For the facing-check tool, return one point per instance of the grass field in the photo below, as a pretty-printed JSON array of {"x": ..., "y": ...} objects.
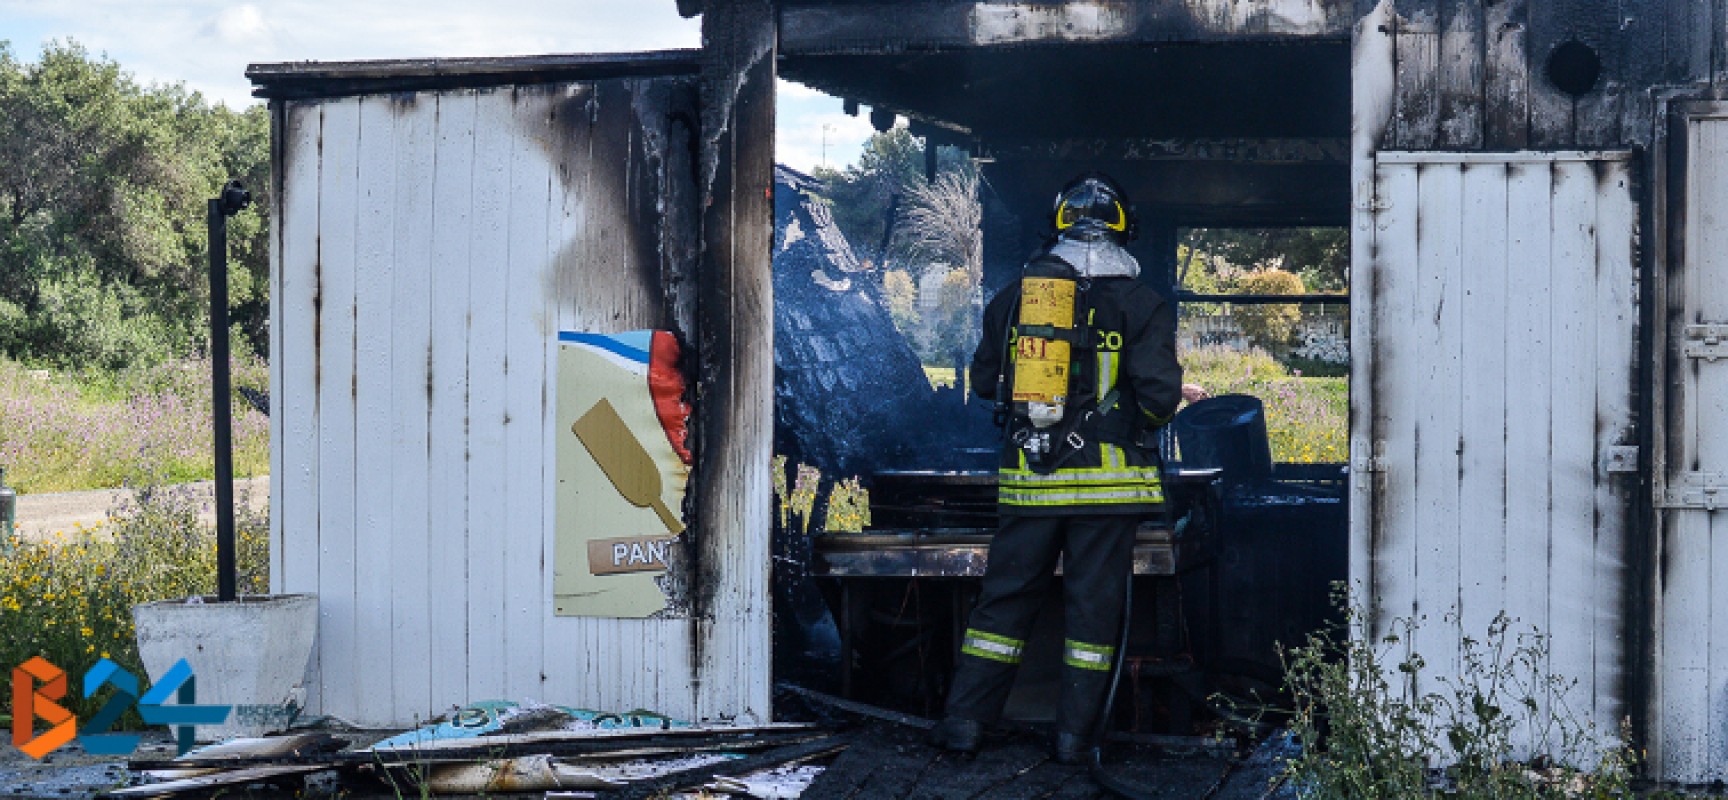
[
  {"x": 61, "y": 432},
  {"x": 1307, "y": 419}
]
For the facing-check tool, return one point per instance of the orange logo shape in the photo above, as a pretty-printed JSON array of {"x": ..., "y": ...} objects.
[{"x": 30, "y": 702}]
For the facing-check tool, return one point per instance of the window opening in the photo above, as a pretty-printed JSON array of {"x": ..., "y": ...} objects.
[{"x": 1265, "y": 312}]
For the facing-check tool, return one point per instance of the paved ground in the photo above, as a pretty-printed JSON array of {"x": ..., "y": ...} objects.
[{"x": 42, "y": 514}]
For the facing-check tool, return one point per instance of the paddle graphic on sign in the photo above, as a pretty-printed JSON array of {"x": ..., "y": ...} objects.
[{"x": 624, "y": 460}]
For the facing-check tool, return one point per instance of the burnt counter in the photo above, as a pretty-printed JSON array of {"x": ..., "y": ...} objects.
[{"x": 962, "y": 553}]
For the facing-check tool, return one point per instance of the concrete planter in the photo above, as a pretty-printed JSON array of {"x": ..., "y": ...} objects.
[{"x": 250, "y": 654}]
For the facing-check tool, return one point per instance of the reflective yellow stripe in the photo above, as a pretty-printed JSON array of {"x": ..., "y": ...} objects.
[
  {"x": 1111, "y": 455},
  {"x": 991, "y": 646},
  {"x": 1085, "y": 475},
  {"x": 1087, "y": 656},
  {"x": 1102, "y": 499}
]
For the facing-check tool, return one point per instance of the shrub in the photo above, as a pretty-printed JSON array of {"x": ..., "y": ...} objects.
[
  {"x": 68, "y": 597},
  {"x": 1273, "y": 324},
  {"x": 1368, "y": 730}
]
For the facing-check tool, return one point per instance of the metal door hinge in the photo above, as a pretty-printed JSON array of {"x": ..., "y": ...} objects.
[
  {"x": 1622, "y": 458},
  {"x": 1696, "y": 490},
  {"x": 1708, "y": 342},
  {"x": 1363, "y": 467}
]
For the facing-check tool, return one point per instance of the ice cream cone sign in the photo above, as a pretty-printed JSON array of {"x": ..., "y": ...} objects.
[{"x": 624, "y": 460}]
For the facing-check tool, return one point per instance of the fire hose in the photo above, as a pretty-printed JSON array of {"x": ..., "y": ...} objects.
[{"x": 1112, "y": 783}]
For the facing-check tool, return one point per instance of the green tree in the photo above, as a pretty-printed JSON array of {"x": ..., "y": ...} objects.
[
  {"x": 102, "y": 191},
  {"x": 1320, "y": 256},
  {"x": 870, "y": 195},
  {"x": 1269, "y": 325},
  {"x": 901, "y": 293}
]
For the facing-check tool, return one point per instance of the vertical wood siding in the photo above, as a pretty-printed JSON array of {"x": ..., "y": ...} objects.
[
  {"x": 736, "y": 428},
  {"x": 1473, "y": 74},
  {"x": 1503, "y": 311},
  {"x": 429, "y": 246},
  {"x": 1691, "y": 740}
]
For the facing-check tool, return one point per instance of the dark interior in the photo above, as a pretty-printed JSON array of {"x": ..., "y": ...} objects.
[{"x": 1200, "y": 134}]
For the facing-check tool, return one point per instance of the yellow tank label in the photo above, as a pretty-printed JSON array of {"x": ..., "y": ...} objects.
[
  {"x": 1047, "y": 301},
  {"x": 1040, "y": 370}
]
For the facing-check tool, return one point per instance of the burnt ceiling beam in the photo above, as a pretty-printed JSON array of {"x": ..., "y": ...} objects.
[
  {"x": 1325, "y": 150},
  {"x": 1255, "y": 90},
  {"x": 1189, "y": 192},
  {"x": 808, "y": 28}
]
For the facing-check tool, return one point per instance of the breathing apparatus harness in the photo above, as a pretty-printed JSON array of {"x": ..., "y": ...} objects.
[{"x": 1048, "y": 344}]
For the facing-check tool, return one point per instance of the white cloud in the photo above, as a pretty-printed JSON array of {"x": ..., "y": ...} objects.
[
  {"x": 241, "y": 24},
  {"x": 805, "y": 140},
  {"x": 207, "y": 44}
]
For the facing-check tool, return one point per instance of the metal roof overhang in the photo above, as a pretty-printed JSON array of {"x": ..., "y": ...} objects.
[{"x": 313, "y": 79}]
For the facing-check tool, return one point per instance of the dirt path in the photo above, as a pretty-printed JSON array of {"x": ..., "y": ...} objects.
[{"x": 43, "y": 514}]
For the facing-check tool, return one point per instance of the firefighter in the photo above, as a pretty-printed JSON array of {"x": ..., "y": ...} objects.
[{"x": 1080, "y": 357}]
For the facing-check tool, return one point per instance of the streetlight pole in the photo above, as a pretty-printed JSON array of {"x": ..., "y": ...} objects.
[{"x": 233, "y": 198}]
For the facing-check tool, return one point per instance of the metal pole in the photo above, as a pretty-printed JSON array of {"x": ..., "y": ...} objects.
[{"x": 221, "y": 406}]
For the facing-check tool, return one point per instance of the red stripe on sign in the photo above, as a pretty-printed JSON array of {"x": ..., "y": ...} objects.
[{"x": 666, "y": 386}]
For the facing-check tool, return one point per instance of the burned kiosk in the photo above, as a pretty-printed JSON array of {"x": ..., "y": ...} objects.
[
  {"x": 1537, "y": 316},
  {"x": 1035, "y": 111}
]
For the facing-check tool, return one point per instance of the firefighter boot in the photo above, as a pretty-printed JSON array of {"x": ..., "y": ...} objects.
[
  {"x": 957, "y": 735},
  {"x": 1072, "y": 748}
]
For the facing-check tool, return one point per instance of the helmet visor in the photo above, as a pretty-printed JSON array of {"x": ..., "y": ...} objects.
[{"x": 1091, "y": 201}]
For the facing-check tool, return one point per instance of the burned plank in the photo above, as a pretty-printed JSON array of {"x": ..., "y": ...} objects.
[
  {"x": 899, "y": 768},
  {"x": 873, "y": 750},
  {"x": 1050, "y": 780},
  {"x": 790, "y": 754},
  {"x": 1162, "y": 778},
  {"x": 855, "y": 707},
  {"x": 993, "y": 770},
  {"x": 1460, "y": 76},
  {"x": 1416, "y": 105},
  {"x": 829, "y": 28},
  {"x": 1506, "y": 76},
  {"x": 558, "y": 743},
  {"x": 1553, "y": 117},
  {"x": 575, "y": 743},
  {"x": 204, "y": 783}
]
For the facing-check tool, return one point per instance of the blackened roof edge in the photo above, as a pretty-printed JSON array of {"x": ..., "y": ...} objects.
[{"x": 321, "y": 79}]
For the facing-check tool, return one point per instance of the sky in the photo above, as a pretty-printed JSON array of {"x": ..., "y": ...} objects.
[{"x": 206, "y": 44}]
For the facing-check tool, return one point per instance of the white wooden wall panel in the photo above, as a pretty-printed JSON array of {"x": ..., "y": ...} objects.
[
  {"x": 1691, "y": 737},
  {"x": 1529, "y": 349},
  {"x": 446, "y": 435},
  {"x": 488, "y": 274},
  {"x": 527, "y": 397},
  {"x": 1503, "y": 306},
  {"x": 335, "y": 385},
  {"x": 410, "y": 406},
  {"x": 430, "y": 246},
  {"x": 1484, "y": 277},
  {"x": 374, "y": 401},
  {"x": 294, "y": 483}
]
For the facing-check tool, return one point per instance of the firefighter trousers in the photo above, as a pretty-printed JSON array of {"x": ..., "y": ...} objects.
[{"x": 1097, "y": 552}]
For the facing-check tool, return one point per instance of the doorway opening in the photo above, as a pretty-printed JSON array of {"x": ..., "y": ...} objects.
[{"x": 1236, "y": 158}]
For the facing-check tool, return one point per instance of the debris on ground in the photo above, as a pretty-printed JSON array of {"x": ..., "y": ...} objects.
[
  {"x": 499, "y": 747},
  {"x": 503, "y": 716},
  {"x": 556, "y": 753}
]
